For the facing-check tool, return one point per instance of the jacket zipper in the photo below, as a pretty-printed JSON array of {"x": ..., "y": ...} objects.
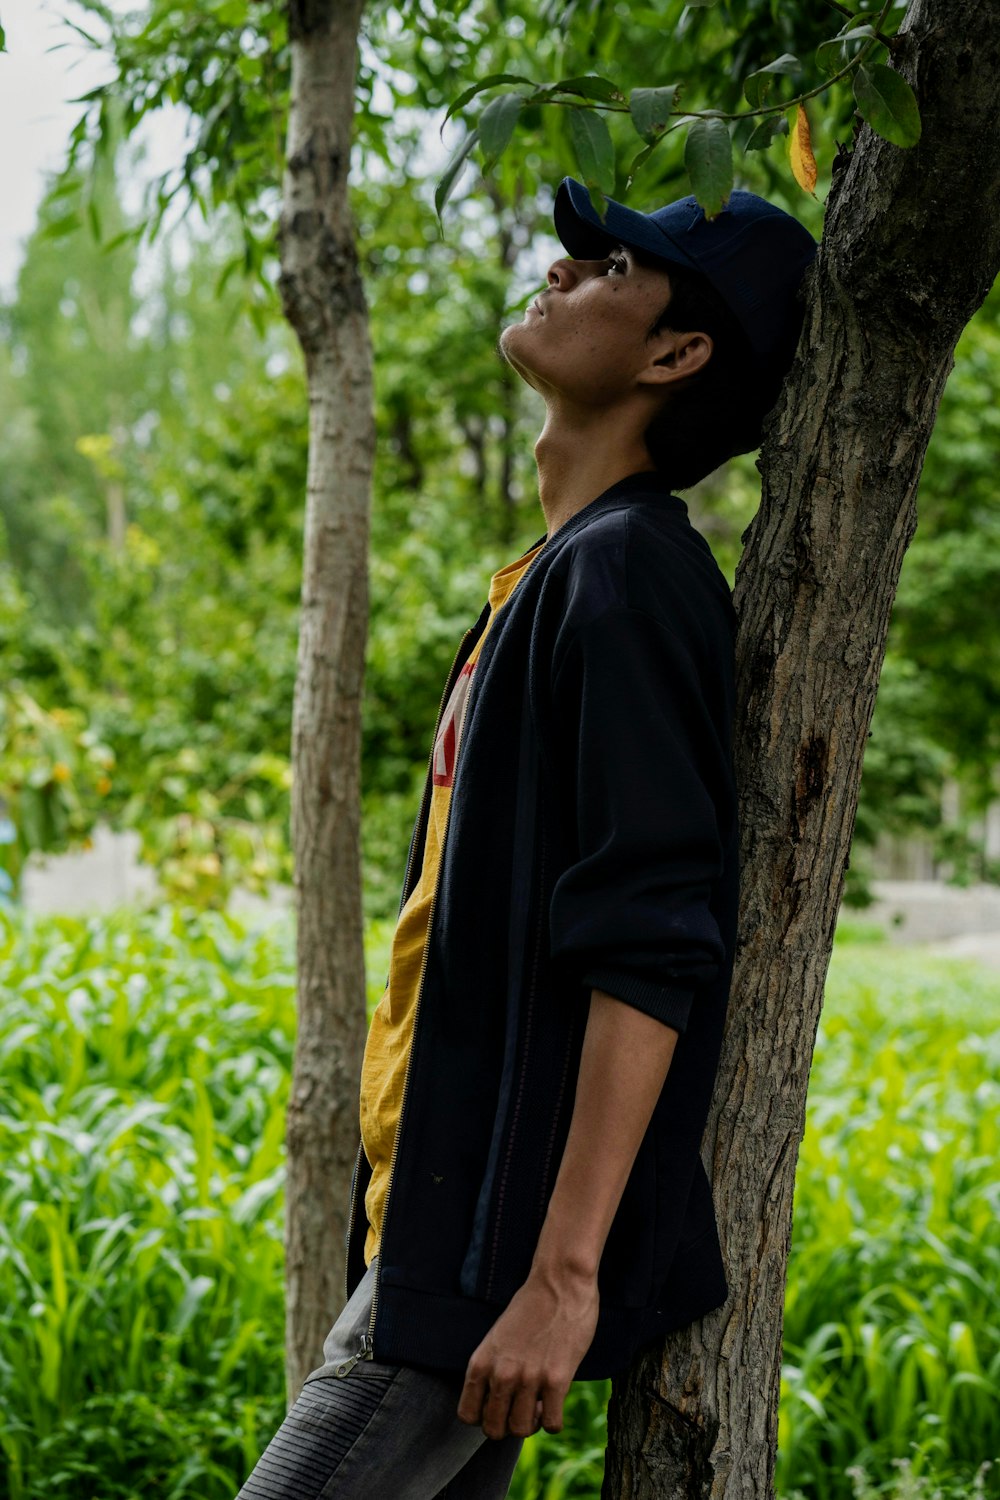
[
  {"x": 350, "y": 1217},
  {"x": 367, "y": 1338},
  {"x": 365, "y": 1350}
]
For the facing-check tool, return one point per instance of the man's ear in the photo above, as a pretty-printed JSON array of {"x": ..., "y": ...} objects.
[{"x": 676, "y": 356}]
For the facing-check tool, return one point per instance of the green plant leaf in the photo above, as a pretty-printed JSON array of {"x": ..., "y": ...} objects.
[
  {"x": 886, "y": 101},
  {"x": 477, "y": 88},
  {"x": 450, "y": 174},
  {"x": 708, "y": 157},
  {"x": 593, "y": 148},
  {"x": 651, "y": 109},
  {"x": 831, "y": 56},
  {"x": 59, "y": 227},
  {"x": 757, "y": 86},
  {"x": 763, "y": 134},
  {"x": 496, "y": 126},
  {"x": 598, "y": 202},
  {"x": 638, "y": 161},
  {"x": 590, "y": 86}
]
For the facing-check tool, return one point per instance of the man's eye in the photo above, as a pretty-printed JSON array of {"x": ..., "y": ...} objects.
[{"x": 617, "y": 263}]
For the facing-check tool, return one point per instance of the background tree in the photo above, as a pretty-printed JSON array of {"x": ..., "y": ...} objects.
[{"x": 323, "y": 298}]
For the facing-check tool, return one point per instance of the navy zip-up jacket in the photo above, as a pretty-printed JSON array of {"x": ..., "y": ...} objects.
[{"x": 591, "y": 843}]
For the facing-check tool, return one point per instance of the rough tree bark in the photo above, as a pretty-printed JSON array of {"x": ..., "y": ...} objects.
[
  {"x": 911, "y": 246},
  {"x": 322, "y": 294}
]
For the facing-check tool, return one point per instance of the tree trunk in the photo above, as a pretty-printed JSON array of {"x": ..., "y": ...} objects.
[
  {"x": 323, "y": 299},
  {"x": 911, "y": 246}
]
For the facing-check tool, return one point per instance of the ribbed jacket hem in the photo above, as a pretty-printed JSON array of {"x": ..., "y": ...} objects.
[
  {"x": 667, "y": 1003},
  {"x": 429, "y": 1330}
]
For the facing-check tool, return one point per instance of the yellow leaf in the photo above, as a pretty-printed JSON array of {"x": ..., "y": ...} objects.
[{"x": 800, "y": 151}]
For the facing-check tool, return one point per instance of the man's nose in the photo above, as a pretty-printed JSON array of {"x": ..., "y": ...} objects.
[{"x": 565, "y": 273}]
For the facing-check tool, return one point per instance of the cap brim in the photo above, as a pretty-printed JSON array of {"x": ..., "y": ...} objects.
[{"x": 582, "y": 233}]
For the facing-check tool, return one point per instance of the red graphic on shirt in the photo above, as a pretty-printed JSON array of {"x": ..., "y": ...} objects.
[{"x": 450, "y": 732}]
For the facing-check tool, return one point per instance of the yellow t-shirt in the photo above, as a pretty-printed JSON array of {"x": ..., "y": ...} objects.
[{"x": 387, "y": 1050}]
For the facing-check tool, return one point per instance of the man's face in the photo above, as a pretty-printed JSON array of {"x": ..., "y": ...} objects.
[{"x": 586, "y": 337}]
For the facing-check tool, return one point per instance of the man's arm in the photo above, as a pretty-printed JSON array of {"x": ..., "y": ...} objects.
[{"x": 523, "y": 1368}]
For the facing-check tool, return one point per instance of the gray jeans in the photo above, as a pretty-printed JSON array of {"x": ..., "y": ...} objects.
[{"x": 378, "y": 1431}]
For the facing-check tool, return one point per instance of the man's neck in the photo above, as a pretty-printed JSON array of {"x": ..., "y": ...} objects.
[{"x": 579, "y": 461}]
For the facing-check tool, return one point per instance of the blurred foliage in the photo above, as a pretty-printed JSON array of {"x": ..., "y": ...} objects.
[
  {"x": 938, "y": 709},
  {"x": 144, "y": 1071},
  {"x": 155, "y": 436}
]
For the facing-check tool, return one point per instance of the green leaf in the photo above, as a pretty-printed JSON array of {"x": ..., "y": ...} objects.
[
  {"x": 97, "y": 93},
  {"x": 762, "y": 136},
  {"x": 831, "y": 56},
  {"x": 450, "y": 174},
  {"x": 477, "y": 88},
  {"x": 591, "y": 87},
  {"x": 598, "y": 202},
  {"x": 637, "y": 161},
  {"x": 3, "y": 40},
  {"x": 593, "y": 149},
  {"x": 496, "y": 126},
  {"x": 58, "y": 228},
  {"x": 887, "y": 102},
  {"x": 708, "y": 158},
  {"x": 651, "y": 109},
  {"x": 134, "y": 234},
  {"x": 757, "y": 86},
  {"x": 699, "y": 4},
  {"x": 88, "y": 36}
]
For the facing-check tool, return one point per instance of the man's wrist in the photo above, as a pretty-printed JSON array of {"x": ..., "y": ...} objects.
[{"x": 562, "y": 1259}]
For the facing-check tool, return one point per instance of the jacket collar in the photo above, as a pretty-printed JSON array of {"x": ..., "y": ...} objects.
[{"x": 650, "y": 484}]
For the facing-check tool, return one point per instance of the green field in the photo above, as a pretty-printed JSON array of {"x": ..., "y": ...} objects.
[{"x": 144, "y": 1066}]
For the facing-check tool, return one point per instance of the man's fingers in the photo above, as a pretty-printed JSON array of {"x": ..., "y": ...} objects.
[
  {"x": 497, "y": 1411},
  {"x": 470, "y": 1405},
  {"x": 552, "y": 1407},
  {"x": 504, "y": 1409},
  {"x": 523, "y": 1412}
]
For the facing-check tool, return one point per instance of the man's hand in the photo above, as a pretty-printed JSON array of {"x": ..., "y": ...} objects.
[{"x": 518, "y": 1377}]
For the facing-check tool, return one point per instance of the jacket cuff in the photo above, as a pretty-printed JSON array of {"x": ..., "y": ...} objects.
[{"x": 670, "y": 1004}]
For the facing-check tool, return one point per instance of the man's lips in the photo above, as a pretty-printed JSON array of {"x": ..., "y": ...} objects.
[{"x": 538, "y": 307}]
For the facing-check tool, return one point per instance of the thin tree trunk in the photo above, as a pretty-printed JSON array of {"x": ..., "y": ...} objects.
[
  {"x": 321, "y": 289},
  {"x": 912, "y": 245}
]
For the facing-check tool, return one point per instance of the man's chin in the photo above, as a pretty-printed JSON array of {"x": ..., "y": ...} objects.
[{"x": 509, "y": 350}]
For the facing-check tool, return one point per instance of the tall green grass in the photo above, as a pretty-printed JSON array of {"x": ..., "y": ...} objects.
[
  {"x": 144, "y": 1065},
  {"x": 144, "y": 1073},
  {"x": 892, "y": 1312}
]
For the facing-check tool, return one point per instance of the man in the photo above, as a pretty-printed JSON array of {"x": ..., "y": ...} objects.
[{"x": 529, "y": 1204}]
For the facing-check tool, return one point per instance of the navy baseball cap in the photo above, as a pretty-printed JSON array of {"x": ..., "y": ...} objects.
[{"x": 753, "y": 253}]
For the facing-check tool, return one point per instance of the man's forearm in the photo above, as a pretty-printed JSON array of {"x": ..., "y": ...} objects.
[
  {"x": 519, "y": 1375},
  {"x": 625, "y": 1058}
]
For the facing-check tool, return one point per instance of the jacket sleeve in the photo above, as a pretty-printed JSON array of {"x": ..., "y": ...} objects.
[{"x": 642, "y": 765}]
